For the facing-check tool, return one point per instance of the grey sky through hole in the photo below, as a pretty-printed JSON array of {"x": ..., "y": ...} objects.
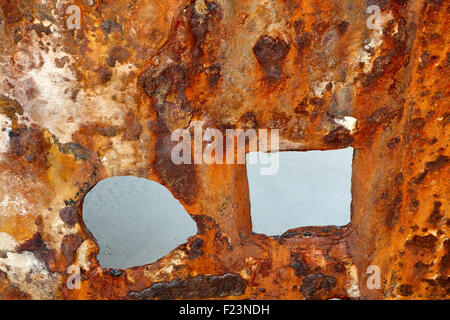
[
  {"x": 135, "y": 221},
  {"x": 310, "y": 189}
]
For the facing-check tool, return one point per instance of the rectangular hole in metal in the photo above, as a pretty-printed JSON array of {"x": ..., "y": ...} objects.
[{"x": 310, "y": 188}]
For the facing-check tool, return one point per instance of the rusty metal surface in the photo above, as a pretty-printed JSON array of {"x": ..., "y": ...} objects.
[{"x": 78, "y": 106}]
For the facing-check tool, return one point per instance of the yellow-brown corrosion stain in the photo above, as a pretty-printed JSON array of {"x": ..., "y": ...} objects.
[{"x": 141, "y": 70}]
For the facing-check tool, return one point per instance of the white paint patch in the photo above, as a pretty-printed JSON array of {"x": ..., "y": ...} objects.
[
  {"x": 175, "y": 258},
  {"x": 373, "y": 44},
  {"x": 320, "y": 88},
  {"x": 370, "y": 45},
  {"x": 347, "y": 122},
  {"x": 200, "y": 7},
  {"x": 109, "y": 103},
  {"x": 283, "y": 145},
  {"x": 45, "y": 91},
  {"x": 122, "y": 155},
  {"x": 29, "y": 273},
  {"x": 352, "y": 283},
  {"x": 7, "y": 242},
  {"x": 24, "y": 262},
  {"x": 54, "y": 105},
  {"x": 13, "y": 204},
  {"x": 46, "y": 23},
  {"x": 5, "y": 122}
]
